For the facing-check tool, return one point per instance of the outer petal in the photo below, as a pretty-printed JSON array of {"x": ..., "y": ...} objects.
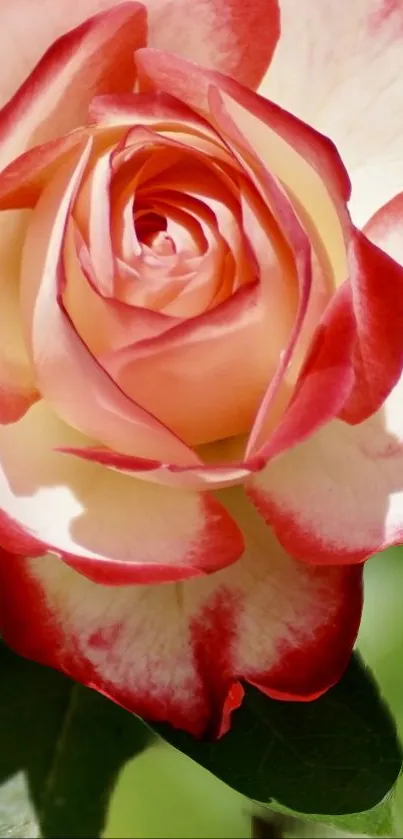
[
  {"x": 377, "y": 302},
  {"x": 342, "y": 74},
  {"x": 325, "y": 383},
  {"x": 356, "y": 356},
  {"x": 111, "y": 527},
  {"x": 385, "y": 228},
  {"x": 177, "y": 653},
  {"x": 338, "y": 497},
  {"x": 96, "y": 57},
  {"x": 217, "y": 33}
]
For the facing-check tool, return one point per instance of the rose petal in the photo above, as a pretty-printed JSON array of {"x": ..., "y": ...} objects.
[
  {"x": 95, "y": 57},
  {"x": 218, "y": 33},
  {"x": 17, "y": 381},
  {"x": 22, "y": 182},
  {"x": 68, "y": 376},
  {"x": 102, "y": 324},
  {"x": 307, "y": 166},
  {"x": 176, "y": 653},
  {"x": 385, "y": 230},
  {"x": 377, "y": 301},
  {"x": 338, "y": 497},
  {"x": 341, "y": 73},
  {"x": 356, "y": 355},
  {"x": 305, "y": 162},
  {"x": 93, "y": 213},
  {"x": 324, "y": 384},
  {"x": 111, "y": 527},
  {"x": 160, "y": 374},
  {"x": 200, "y": 477}
]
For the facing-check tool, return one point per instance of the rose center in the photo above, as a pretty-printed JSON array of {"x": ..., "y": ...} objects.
[{"x": 151, "y": 230}]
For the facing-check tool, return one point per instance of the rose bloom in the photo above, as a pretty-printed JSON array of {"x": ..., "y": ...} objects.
[{"x": 200, "y": 438}]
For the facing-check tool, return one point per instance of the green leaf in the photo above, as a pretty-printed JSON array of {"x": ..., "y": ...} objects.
[
  {"x": 379, "y": 821},
  {"x": 337, "y": 755},
  {"x": 61, "y": 747}
]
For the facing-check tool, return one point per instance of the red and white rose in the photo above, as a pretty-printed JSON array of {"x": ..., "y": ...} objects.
[{"x": 200, "y": 438}]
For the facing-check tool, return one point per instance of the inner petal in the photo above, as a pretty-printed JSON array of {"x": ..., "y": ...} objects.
[{"x": 148, "y": 224}]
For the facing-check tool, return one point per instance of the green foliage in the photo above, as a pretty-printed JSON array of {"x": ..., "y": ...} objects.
[
  {"x": 61, "y": 747},
  {"x": 337, "y": 755},
  {"x": 379, "y": 821}
]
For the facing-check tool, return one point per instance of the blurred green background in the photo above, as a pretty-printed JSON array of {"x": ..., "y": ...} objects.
[{"x": 162, "y": 793}]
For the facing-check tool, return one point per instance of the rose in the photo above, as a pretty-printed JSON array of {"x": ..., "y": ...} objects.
[{"x": 186, "y": 309}]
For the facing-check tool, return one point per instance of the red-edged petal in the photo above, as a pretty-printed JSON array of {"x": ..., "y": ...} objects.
[
  {"x": 357, "y": 354},
  {"x": 377, "y": 302},
  {"x": 341, "y": 73},
  {"x": 324, "y": 384},
  {"x": 111, "y": 527},
  {"x": 385, "y": 228},
  {"x": 22, "y": 182},
  {"x": 177, "y": 653},
  {"x": 306, "y": 161},
  {"x": 338, "y": 497},
  {"x": 217, "y": 33},
  {"x": 96, "y": 57}
]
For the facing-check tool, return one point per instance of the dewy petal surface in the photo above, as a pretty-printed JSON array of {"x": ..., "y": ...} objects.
[{"x": 177, "y": 652}]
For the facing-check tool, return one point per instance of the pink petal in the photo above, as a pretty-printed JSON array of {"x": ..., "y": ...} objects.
[
  {"x": 316, "y": 180},
  {"x": 23, "y": 180},
  {"x": 112, "y": 528},
  {"x": 323, "y": 387},
  {"x": 273, "y": 143},
  {"x": 306, "y": 162},
  {"x": 17, "y": 381},
  {"x": 217, "y": 33},
  {"x": 67, "y": 375},
  {"x": 103, "y": 324},
  {"x": 93, "y": 213},
  {"x": 177, "y": 653},
  {"x": 342, "y": 74},
  {"x": 160, "y": 374},
  {"x": 53, "y": 100}
]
